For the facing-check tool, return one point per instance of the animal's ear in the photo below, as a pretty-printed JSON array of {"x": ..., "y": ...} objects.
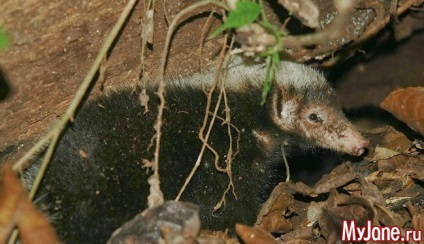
[
  {"x": 282, "y": 107},
  {"x": 277, "y": 98}
]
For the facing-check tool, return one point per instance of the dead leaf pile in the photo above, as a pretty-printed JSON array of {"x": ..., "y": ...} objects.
[{"x": 386, "y": 189}]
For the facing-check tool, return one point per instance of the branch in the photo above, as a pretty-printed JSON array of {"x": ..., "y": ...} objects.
[{"x": 344, "y": 9}]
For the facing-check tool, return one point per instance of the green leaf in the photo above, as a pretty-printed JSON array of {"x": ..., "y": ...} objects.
[
  {"x": 272, "y": 65},
  {"x": 246, "y": 12},
  {"x": 4, "y": 39}
]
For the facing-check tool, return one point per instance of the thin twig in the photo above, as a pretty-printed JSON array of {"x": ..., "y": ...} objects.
[
  {"x": 209, "y": 147},
  {"x": 238, "y": 136},
  {"x": 375, "y": 28},
  {"x": 205, "y": 138},
  {"x": 145, "y": 24},
  {"x": 202, "y": 38},
  {"x": 230, "y": 155},
  {"x": 161, "y": 86},
  {"x": 263, "y": 13},
  {"x": 35, "y": 149},
  {"x": 165, "y": 14},
  {"x": 286, "y": 164},
  {"x": 344, "y": 10},
  {"x": 199, "y": 158},
  {"x": 55, "y": 133},
  {"x": 102, "y": 74},
  {"x": 69, "y": 114},
  {"x": 44, "y": 165}
]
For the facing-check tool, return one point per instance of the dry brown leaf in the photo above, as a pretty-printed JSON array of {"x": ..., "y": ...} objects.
[
  {"x": 384, "y": 138},
  {"x": 417, "y": 218},
  {"x": 407, "y": 105},
  {"x": 342, "y": 207},
  {"x": 278, "y": 205},
  {"x": 15, "y": 208},
  {"x": 395, "y": 140},
  {"x": 383, "y": 153},
  {"x": 301, "y": 233},
  {"x": 33, "y": 226},
  {"x": 325, "y": 184},
  {"x": 403, "y": 164},
  {"x": 254, "y": 236},
  {"x": 10, "y": 195}
]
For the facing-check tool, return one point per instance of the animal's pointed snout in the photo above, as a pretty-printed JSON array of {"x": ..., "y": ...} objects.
[{"x": 361, "y": 147}]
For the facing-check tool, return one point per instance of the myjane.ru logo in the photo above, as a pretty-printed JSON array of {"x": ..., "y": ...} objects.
[{"x": 353, "y": 233}]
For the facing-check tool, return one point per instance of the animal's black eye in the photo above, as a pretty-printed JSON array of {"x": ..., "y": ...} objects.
[{"x": 313, "y": 117}]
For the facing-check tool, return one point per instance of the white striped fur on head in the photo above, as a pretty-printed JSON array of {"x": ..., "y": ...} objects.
[
  {"x": 245, "y": 74},
  {"x": 301, "y": 102}
]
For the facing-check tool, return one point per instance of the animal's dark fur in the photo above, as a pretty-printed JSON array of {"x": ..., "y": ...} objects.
[
  {"x": 96, "y": 180},
  {"x": 96, "y": 194}
]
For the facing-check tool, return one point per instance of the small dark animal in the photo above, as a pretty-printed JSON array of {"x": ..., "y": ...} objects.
[{"x": 96, "y": 180}]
